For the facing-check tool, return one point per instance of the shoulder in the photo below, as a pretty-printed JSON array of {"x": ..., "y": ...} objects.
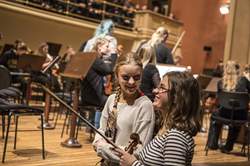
[
  {"x": 178, "y": 137},
  {"x": 151, "y": 67},
  {"x": 111, "y": 98},
  {"x": 145, "y": 107},
  {"x": 144, "y": 101}
]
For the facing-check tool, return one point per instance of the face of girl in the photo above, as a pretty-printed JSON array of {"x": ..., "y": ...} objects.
[
  {"x": 161, "y": 94},
  {"x": 104, "y": 48},
  {"x": 129, "y": 78}
]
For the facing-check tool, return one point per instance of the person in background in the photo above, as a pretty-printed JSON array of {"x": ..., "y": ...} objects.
[
  {"x": 127, "y": 111},
  {"x": 158, "y": 41},
  {"x": 51, "y": 77},
  {"x": 104, "y": 30},
  {"x": 9, "y": 58},
  {"x": 246, "y": 72},
  {"x": 232, "y": 82},
  {"x": 120, "y": 49},
  {"x": 150, "y": 76},
  {"x": 178, "y": 98},
  {"x": 218, "y": 72},
  {"x": 92, "y": 86}
]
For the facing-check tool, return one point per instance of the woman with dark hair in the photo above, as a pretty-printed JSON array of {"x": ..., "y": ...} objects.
[{"x": 178, "y": 98}]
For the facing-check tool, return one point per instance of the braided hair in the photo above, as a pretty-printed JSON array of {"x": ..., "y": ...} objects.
[{"x": 129, "y": 58}]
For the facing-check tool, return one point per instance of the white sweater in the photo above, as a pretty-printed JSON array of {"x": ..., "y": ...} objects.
[{"x": 137, "y": 118}]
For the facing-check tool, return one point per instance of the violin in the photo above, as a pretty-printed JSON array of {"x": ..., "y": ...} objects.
[
  {"x": 108, "y": 87},
  {"x": 135, "y": 140}
]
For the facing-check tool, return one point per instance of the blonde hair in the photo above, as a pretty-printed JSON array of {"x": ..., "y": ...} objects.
[
  {"x": 41, "y": 50},
  {"x": 158, "y": 36},
  {"x": 129, "y": 58},
  {"x": 147, "y": 55},
  {"x": 230, "y": 76},
  {"x": 99, "y": 42}
]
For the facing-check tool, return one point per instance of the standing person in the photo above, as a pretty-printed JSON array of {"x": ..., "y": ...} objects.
[
  {"x": 92, "y": 86},
  {"x": 150, "y": 77},
  {"x": 158, "y": 40},
  {"x": 127, "y": 111},
  {"x": 232, "y": 82},
  {"x": 104, "y": 30},
  {"x": 178, "y": 98}
]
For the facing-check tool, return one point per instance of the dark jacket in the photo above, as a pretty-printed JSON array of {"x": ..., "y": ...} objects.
[
  {"x": 243, "y": 85},
  {"x": 163, "y": 54},
  {"x": 92, "y": 87},
  {"x": 150, "y": 80},
  {"x": 9, "y": 59}
]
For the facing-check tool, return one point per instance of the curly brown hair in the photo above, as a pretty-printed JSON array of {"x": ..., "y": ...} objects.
[{"x": 182, "y": 110}]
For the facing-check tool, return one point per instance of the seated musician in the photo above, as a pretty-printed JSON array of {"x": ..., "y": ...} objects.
[
  {"x": 127, "y": 111},
  {"x": 9, "y": 60},
  {"x": 92, "y": 86},
  {"x": 50, "y": 78},
  {"x": 178, "y": 100},
  {"x": 233, "y": 82}
]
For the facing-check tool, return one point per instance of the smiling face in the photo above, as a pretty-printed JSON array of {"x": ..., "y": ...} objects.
[
  {"x": 161, "y": 94},
  {"x": 129, "y": 78}
]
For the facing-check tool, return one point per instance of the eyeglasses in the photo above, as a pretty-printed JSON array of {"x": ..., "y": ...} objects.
[
  {"x": 162, "y": 90},
  {"x": 135, "y": 78}
]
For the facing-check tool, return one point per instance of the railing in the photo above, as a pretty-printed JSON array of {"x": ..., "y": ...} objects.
[{"x": 95, "y": 10}]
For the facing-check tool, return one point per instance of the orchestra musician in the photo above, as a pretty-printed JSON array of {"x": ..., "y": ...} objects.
[
  {"x": 92, "y": 87},
  {"x": 127, "y": 111},
  {"x": 104, "y": 30},
  {"x": 150, "y": 77},
  {"x": 158, "y": 40},
  {"x": 52, "y": 76},
  {"x": 231, "y": 81},
  {"x": 9, "y": 60}
]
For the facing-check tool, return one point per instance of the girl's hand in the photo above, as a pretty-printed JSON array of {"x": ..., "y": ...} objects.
[{"x": 126, "y": 159}]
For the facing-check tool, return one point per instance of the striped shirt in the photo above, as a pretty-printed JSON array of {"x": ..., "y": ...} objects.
[{"x": 173, "y": 148}]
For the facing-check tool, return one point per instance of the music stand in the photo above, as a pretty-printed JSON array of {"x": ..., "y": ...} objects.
[
  {"x": 77, "y": 68},
  {"x": 163, "y": 69},
  {"x": 203, "y": 80},
  {"x": 54, "y": 48},
  {"x": 30, "y": 62},
  {"x": 79, "y": 65},
  {"x": 212, "y": 86}
]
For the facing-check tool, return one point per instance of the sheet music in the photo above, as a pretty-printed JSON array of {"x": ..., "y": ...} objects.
[{"x": 163, "y": 69}]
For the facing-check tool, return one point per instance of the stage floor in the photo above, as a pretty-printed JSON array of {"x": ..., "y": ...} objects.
[{"x": 28, "y": 152}]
